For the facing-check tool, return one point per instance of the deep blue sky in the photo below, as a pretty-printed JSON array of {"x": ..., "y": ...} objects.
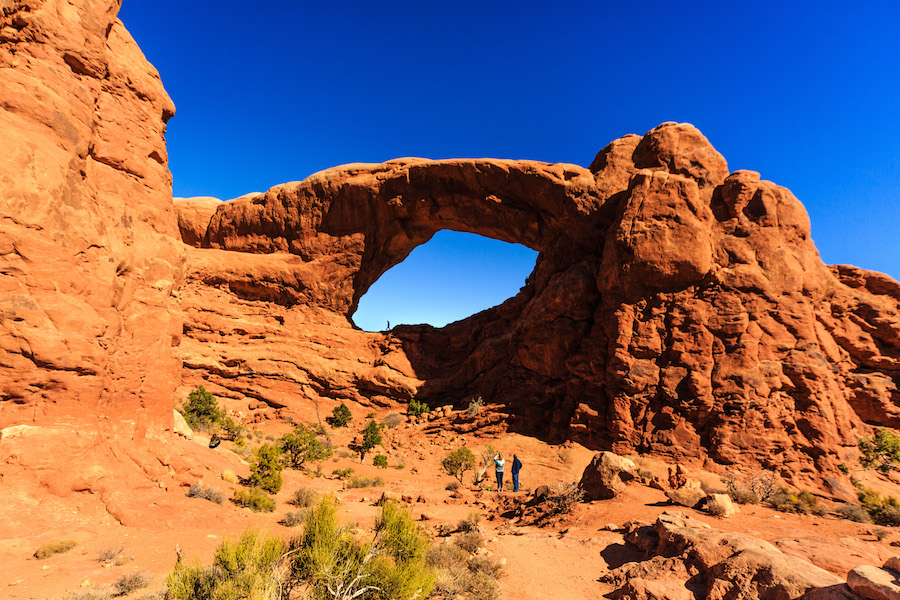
[{"x": 808, "y": 94}]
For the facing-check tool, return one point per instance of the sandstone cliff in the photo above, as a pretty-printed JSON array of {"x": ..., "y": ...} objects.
[
  {"x": 89, "y": 244},
  {"x": 675, "y": 307}
]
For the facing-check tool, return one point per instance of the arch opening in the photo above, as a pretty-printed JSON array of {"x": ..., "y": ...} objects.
[{"x": 450, "y": 277}]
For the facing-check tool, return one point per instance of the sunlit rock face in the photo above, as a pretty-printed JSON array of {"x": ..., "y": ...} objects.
[
  {"x": 675, "y": 307},
  {"x": 89, "y": 246}
]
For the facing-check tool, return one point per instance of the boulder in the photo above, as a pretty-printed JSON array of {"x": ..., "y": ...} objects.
[
  {"x": 606, "y": 476},
  {"x": 721, "y": 505},
  {"x": 689, "y": 495},
  {"x": 181, "y": 426},
  {"x": 873, "y": 583}
]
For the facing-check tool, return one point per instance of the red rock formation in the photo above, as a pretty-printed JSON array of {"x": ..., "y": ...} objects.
[
  {"x": 674, "y": 308},
  {"x": 89, "y": 247}
]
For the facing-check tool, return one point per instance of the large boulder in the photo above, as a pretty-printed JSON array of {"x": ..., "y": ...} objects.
[
  {"x": 606, "y": 476},
  {"x": 873, "y": 583}
]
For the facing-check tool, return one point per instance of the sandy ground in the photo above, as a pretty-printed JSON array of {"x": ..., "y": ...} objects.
[{"x": 563, "y": 561}]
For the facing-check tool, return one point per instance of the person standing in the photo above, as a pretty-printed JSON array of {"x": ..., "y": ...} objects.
[
  {"x": 499, "y": 462},
  {"x": 516, "y": 467}
]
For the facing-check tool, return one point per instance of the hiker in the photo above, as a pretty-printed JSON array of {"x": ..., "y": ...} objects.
[
  {"x": 499, "y": 462},
  {"x": 516, "y": 466}
]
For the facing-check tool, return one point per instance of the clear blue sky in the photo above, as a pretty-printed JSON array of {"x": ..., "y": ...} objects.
[{"x": 808, "y": 94}]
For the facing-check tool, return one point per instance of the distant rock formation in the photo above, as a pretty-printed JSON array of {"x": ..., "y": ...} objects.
[
  {"x": 675, "y": 308},
  {"x": 89, "y": 244}
]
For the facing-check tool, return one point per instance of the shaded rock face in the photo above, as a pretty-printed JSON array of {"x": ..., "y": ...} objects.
[
  {"x": 675, "y": 307},
  {"x": 89, "y": 244}
]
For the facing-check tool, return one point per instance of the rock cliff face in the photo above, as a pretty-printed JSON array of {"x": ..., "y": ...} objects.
[
  {"x": 675, "y": 307},
  {"x": 89, "y": 244}
]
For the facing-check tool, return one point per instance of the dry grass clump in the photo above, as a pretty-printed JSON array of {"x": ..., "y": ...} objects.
[
  {"x": 48, "y": 550},
  {"x": 364, "y": 482},
  {"x": 391, "y": 420},
  {"x": 255, "y": 499},
  {"x": 130, "y": 582},
  {"x": 95, "y": 594},
  {"x": 109, "y": 554},
  {"x": 852, "y": 512},
  {"x": 470, "y": 541},
  {"x": 206, "y": 493},
  {"x": 304, "y": 497},
  {"x": 294, "y": 518},
  {"x": 459, "y": 575},
  {"x": 470, "y": 523},
  {"x": 751, "y": 488},
  {"x": 229, "y": 476},
  {"x": 801, "y": 502}
]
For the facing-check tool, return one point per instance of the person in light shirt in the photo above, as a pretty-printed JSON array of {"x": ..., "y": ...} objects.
[{"x": 499, "y": 462}]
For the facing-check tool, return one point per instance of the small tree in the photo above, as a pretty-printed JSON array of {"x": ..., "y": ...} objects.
[
  {"x": 201, "y": 410},
  {"x": 881, "y": 452},
  {"x": 458, "y": 462},
  {"x": 265, "y": 470},
  {"x": 371, "y": 437},
  {"x": 303, "y": 445},
  {"x": 417, "y": 408},
  {"x": 340, "y": 416}
]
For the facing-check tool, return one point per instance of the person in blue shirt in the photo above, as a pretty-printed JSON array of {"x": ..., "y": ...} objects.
[{"x": 516, "y": 466}]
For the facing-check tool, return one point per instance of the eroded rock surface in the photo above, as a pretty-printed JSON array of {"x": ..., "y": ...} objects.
[
  {"x": 89, "y": 244},
  {"x": 674, "y": 308}
]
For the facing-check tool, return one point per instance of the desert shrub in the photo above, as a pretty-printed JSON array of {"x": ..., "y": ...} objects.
[
  {"x": 304, "y": 497},
  {"x": 265, "y": 470},
  {"x": 202, "y": 411},
  {"x": 130, "y": 582},
  {"x": 380, "y": 461},
  {"x": 232, "y": 430},
  {"x": 340, "y": 416},
  {"x": 294, "y": 518},
  {"x": 750, "y": 488},
  {"x": 229, "y": 476},
  {"x": 475, "y": 406},
  {"x": 303, "y": 445},
  {"x": 711, "y": 489},
  {"x": 416, "y": 408},
  {"x": 843, "y": 468},
  {"x": 207, "y": 493},
  {"x": 452, "y": 486},
  {"x": 881, "y": 451},
  {"x": 370, "y": 414},
  {"x": 562, "y": 498},
  {"x": 255, "y": 499},
  {"x": 883, "y": 510},
  {"x": 248, "y": 567},
  {"x": 455, "y": 576},
  {"x": 801, "y": 502},
  {"x": 853, "y": 512},
  {"x": 109, "y": 554},
  {"x": 486, "y": 565},
  {"x": 95, "y": 594},
  {"x": 458, "y": 462},
  {"x": 487, "y": 461},
  {"x": 470, "y": 541},
  {"x": 391, "y": 420},
  {"x": 342, "y": 473},
  {"x": 333, "y": 565},
  {"x": 343, "y": 453},
  {"x": 364, "y": 482},
  {"x": 481, "y": 586},
  {"x": 470, "y": 523},
  {"x": 52, "y": 548}
]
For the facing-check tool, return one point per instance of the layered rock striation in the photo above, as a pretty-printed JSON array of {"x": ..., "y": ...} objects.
[{"x": 675, "y": 307}]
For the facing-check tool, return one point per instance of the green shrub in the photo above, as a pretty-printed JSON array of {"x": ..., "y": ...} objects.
[
  {"x": 380, "y": 461},
  {"x": 364, "y": 482},
  {"x": 416, "y": 408},
  {"x": 232, "y": 430},
  {"x": 371, "y": 437},
  {"x": 202, "y": 411},
  {"x": 332, "y": 564},
  {"x": 304, "y": 497},
  {"x": 882, "y": 451},
  {"x": 303, "y": 445},
  {"x": 853, "y": 512},
  {"x": 255, "y": 499},
  {"x": 242, "y": 569},
  {"x": 458, "y": 462},
  {"x": 206, "y": 493},
  {"x": 342, "y": 473},
  {"x": 265, "y": 470},
  {"x": 130, "y": 582},
  {"x": 340, "y": 416},
  {"x": 52, "y": 548},
  {"x": 843, "y": 468}
]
